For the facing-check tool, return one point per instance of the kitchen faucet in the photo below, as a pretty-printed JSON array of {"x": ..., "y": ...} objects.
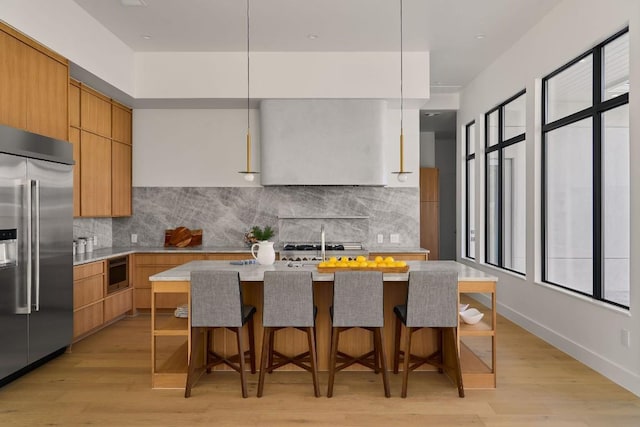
[{"x": 322, "y": 244}]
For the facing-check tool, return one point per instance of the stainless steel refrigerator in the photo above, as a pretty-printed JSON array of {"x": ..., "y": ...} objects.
[{"x": 36, "y": 260}]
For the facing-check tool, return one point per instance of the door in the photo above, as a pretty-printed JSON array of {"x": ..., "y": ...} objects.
[
  {"x": 51, "y": 319},
  {"x": 13, "y": 269}
]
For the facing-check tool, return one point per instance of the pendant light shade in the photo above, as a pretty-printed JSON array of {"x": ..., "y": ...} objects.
[
  {"x": 402, "y": 174},
  {"x": 249, "y": 175}
]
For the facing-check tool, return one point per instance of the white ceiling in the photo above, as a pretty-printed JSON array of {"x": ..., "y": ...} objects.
[{"x": 446, "y": 28}]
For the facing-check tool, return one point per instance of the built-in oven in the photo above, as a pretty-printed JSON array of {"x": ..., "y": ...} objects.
[{"x": 117, "y": 274}]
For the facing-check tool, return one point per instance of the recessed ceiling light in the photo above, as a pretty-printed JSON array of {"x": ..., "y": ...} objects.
[
  {"x": 133, "y": 3},
  {"x": 146, "y": 36},
  {"x": 312, "y": 36},
  {"x": 480, "y": 36}
]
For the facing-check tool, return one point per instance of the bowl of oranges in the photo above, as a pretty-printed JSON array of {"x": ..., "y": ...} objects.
[{"x": 386, "y": 264}]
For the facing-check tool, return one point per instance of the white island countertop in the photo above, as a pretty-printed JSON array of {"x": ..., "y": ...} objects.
[{"x": 255, "y": 272}]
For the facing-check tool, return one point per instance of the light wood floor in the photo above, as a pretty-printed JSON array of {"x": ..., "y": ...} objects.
[{"x": 105, "y": 379}]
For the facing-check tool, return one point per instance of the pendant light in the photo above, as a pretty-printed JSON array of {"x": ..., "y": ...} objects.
[
  {"x": 402, "y": 174},
  {"x": 249, "y": 175}
]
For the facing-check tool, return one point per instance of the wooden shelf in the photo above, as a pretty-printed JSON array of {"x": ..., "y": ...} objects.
[
  {"x": 482, "y": 328},
  {"x": 170, "y": 325}
]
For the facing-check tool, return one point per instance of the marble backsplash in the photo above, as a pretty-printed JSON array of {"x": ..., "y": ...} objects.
[
  {"x": 296, "y": 213},
  {"x": 101, "y": 227}
]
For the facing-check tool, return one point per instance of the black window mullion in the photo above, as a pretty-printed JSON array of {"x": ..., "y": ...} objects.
[
  {"x": 500, "y": 183},
  {"x": 469, "y": 158},
  {"x": 597, "y": 174}
]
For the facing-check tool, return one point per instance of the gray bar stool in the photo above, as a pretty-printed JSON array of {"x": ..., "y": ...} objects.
[
  {"x": 216, "y": 302},
  {"x": 432, "y": 302},
  {"x": 288, "y": 303},
  {"x": 358, "y": 303}
]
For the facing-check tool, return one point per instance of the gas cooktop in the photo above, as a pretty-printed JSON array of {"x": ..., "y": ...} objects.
[
  {"x": 311, "y": 251},
  {"x": 312, "y": 247}
]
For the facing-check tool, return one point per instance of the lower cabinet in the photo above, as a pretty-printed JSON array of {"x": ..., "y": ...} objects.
[
  {"x": 401, "y": 256},
  {"x": 148, "y": 264},
  {"x": 92, "y": 307}
]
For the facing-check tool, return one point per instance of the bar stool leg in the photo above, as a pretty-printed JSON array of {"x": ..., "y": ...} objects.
[
  {"x": 335, "y": 334},
  {"x": 454, "y": 351},
  {"x": 252, "y": 346},
  {"x": 396, "y": 346},
  {"x": 314, "y": 362},
  {"x": 272, "y": 336},
  {"x": 243, "y": 379},
  {"x": 376, "y": 353},
  {"x": 208, "y": 343},
  {"x": 263, "y": 359},
  {"x": 195, "y": 338},
  {"x": 407, "y": 359},
  {"x": 379, "y": 344}
]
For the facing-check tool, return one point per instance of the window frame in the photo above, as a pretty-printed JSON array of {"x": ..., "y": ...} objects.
[
  {"x": 488, "y": 149},
  {"x": 469, "y": 157},
  {"x": 595, "y": 112}
]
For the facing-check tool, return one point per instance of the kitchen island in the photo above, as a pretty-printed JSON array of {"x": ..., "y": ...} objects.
[{"x": 171, "y": 335}]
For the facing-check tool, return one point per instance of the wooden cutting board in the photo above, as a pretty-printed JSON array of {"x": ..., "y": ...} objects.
[{"x": 179, "y": 238}]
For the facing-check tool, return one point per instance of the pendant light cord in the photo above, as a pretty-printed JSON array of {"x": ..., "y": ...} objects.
[
  {"x": 248, "y": 124},
  {"x": 401, "y": 74}
]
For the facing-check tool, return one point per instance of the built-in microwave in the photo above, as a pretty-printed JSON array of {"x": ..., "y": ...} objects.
[{"x": 117, "y": 274}]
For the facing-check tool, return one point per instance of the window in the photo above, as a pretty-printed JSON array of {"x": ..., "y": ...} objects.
[
  {"x": 505, "y": 195},
  {"x": 586, "y": 178},
  {"x": 470, "y": 218}
]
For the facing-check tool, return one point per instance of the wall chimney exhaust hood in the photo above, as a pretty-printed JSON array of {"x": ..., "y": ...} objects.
[{"x": 323, "y": 142}]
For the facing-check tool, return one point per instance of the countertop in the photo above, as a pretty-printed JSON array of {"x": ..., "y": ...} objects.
[
  {"x": 106, "y": 253},
  {"x": 255, "y": 272}
]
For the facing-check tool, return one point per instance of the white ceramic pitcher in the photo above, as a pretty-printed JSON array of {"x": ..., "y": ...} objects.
[{"x": 266, "y": 254}]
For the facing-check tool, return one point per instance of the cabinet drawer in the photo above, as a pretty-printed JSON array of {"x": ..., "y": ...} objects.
[
  {"x": 87, "y": 291},
  {"x": 87, "y": 318},
  {"x": 87, "y": 270},
  {"x": 117, "y": 304},
  {"x": 167, "y": 259}
]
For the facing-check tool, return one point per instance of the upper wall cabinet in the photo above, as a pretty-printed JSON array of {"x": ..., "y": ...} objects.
[
  {"x": 100, "y": 130},
  {"x": 33, "y": 84},
  {"x": 95, "y": 112}
]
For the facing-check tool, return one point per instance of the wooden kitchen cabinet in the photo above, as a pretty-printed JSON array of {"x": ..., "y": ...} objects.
[
  {"x": 120, "y": 179},
  {"x": 121, "y": 120},
  {"x": 102, "y": 176},
  {"x": 95, "y": 175},
  {"x": 148, "y": 264},
  {"x": 74, "y": 139},
  {"x": 93, "y": 308},
  {"x": 33, "y": 83},
  {"x": 430, "y": 212},
  {"x": 88, "y": 290},
  {"x": 13, "y": 86},
  {"x": 95, "y": 112},
  {"x": 74, "y": 103},
  {"x": 401, "y": 256}
]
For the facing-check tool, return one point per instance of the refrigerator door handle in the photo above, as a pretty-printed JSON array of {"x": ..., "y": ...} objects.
[
  {"x": 36, "y": 255},
  {"x": 28, "y": 186}
]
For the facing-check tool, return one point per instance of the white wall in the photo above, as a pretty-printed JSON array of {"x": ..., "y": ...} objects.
[
  {"x": 67, "y": 29},
  {"x": 206, "y": 147},
  {"x": 282, "y": 75},
  {"x": 588, "y": 330}
]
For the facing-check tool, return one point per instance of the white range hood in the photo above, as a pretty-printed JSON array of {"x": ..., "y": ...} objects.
[{"x": 322, "y": 142}]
